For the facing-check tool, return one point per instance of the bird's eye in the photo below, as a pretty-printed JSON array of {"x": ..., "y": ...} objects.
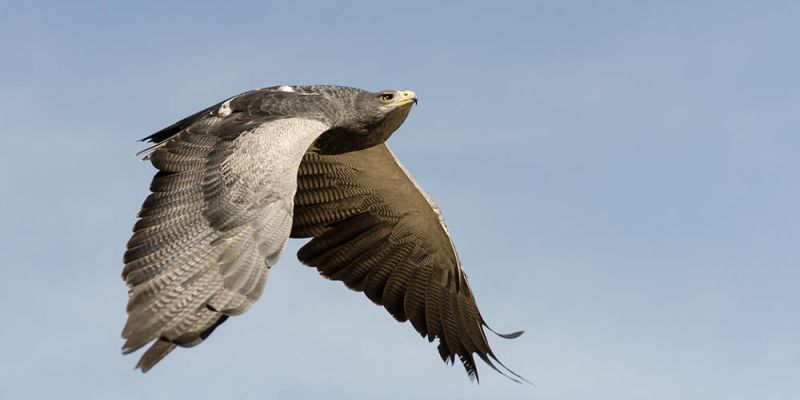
[{"x": 387, "y": 96}]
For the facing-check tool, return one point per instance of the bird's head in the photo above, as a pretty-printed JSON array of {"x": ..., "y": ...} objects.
[{"x": 368, "y": 119}]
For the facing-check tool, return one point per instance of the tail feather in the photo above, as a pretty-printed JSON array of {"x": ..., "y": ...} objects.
[{"x": 154, "y": 354}]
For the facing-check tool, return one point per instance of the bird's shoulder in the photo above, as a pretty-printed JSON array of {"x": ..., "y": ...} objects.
[{"x": 236, "y": 114}]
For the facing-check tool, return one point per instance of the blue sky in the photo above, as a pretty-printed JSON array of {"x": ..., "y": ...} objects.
[{"x": 621, "y": 179}]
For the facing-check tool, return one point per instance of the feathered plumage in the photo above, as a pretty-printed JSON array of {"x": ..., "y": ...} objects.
[{"x": 236, "y": 179}]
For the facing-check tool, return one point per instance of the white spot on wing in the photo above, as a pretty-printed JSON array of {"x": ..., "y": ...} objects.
[
  {"x": 285, "y": 88},
  {"x": 225, "y": 109}
]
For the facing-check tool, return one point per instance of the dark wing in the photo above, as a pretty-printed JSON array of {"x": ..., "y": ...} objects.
[
  {"x": 376, "y": 230},
  {"x": 218, "y": 217}
]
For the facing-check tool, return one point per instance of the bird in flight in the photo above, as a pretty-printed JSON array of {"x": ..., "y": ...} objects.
[{"x": 236, "y": 180}]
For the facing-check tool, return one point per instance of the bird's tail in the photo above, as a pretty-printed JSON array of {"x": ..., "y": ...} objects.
[{"x": 154, "y": 354}]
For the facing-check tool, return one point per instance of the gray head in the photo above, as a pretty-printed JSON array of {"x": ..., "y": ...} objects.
[{"x": 369, "y": 119}]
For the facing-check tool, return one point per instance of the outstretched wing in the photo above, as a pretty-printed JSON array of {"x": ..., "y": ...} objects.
[
  {"x": 378, "y": 232},
  {"x": 218, "y": 217}
]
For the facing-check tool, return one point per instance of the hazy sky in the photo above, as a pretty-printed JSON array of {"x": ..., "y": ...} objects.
[{"x": 621, "y": 180}]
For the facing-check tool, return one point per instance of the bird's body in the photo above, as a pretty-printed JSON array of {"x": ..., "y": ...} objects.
[{"x": 237, "y": 179}]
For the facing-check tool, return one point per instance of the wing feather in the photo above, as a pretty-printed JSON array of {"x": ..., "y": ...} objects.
[
  {"x": 218, "y": 217},
  {"x": 374, "y": 229}
]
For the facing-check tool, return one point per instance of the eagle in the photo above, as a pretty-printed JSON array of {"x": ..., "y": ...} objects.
[{"x": 236, "y": 180}]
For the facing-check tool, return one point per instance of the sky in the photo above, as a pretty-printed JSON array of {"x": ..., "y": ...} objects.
[{"x": 620, "y": 178}]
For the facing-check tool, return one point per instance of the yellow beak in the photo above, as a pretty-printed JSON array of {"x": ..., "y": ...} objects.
[{"x": 406, "y": 97}]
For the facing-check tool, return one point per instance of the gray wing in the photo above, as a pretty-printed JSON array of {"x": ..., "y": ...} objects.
[
  {"x": 218, "y": 218},
  {"x": 378, "y": 232}
]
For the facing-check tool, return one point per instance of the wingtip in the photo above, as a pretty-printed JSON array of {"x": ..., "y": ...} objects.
[
  {"x": 512, "y": 335},
  {"x": 498, "y": 370},
  {"x": 145, "y": 153},
  {"x": 516, "y": 377}
]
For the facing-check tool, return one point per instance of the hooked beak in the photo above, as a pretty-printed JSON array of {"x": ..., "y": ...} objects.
[{"x": 406, "y": 97}]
